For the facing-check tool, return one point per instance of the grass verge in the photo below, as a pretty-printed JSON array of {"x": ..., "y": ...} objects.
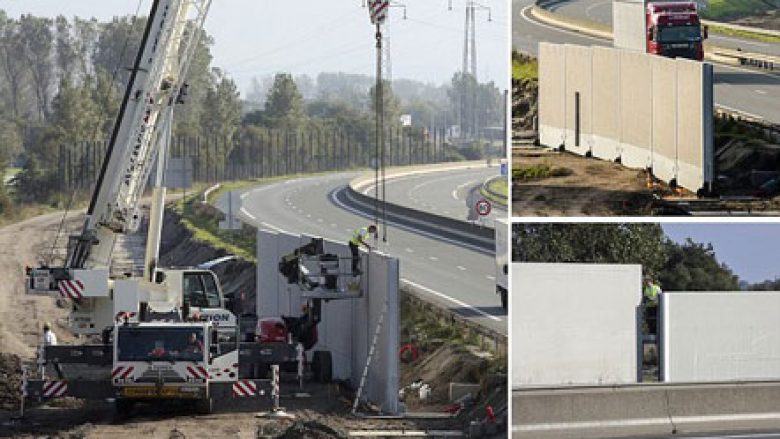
[
  {"x": 536, "y": 172},
  {"x": 524, "y": 67},
  {"x": 496, "y": 186}
]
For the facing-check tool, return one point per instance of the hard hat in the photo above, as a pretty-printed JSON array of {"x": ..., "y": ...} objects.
[{"x": 46, "y": 325}]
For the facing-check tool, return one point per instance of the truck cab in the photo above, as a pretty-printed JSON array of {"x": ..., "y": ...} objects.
[
  {"x": 674, "y": 30},
  {"x": 170, "y": 360}
]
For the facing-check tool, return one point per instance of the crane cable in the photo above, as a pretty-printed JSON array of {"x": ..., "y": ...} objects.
[{"x": 114, "y": 75}]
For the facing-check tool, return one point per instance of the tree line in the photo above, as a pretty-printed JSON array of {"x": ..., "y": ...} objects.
[
  {"x": 62, "y": 80},
  {"x": 687, "y": 266}
]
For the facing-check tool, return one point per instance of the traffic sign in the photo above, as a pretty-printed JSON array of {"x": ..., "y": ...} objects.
[
  {"x": 377, "y": 10},
  {"x": 483, "y": 207}
]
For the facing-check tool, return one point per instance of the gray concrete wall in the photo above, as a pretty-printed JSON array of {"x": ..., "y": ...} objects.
[
  {"x": 720, "y": 336},
  {"x": 606, "y": 123},
  {"x": 571, "y": 326},
  {"x": 347, "y": 326},
  {"x": 647, "y": 110},
  {"x": 552, "y": 94},
  {"x": 628, "y": 25}
]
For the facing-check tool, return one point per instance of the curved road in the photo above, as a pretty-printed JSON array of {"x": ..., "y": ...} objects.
[
  {"x": 600, "y": 11},
  {"x": 457, "y": 277},
  {"x": 736, "y": 88},
  {"x": 452, "y": 194}
]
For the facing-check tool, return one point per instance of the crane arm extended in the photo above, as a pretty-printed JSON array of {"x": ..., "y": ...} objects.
[{"x": 156, "y": 81}]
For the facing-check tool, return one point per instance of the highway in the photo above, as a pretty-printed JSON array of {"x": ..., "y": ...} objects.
[
  {"x": 736, "y": 88},
  {"x": 452, "y": 275},
  {"x": 600, "y": 11},
  {"x": 449, "y": 194}
]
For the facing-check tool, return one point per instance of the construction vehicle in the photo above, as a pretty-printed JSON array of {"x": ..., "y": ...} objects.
[
  {"x": 667, "y": 28},
  {"x": 501, "y": 228},
  {"x": 168, "y": 333}
]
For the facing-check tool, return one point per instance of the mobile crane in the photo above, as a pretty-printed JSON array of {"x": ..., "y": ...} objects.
[{"x": 168, "y": 333}]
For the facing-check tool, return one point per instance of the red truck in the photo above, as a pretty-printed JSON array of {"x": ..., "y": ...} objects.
[{"x": 667, "y": 28}]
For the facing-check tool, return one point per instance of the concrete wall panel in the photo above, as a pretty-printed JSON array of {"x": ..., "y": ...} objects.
[
  {"x": 552, "y": 94},
  {"x": 648, "y": 110},
  {"x": 606, "y": 103},
  {"x": 720, "y": 336},
  {"x": 636, "y": 98},
  {"x": 664, "y": 133},
  {"x": 579, "y": 92},
  {"x": 570, "y": 326},
  {"x": 347, "y": 326}
]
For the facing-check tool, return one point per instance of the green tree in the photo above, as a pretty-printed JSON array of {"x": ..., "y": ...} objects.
[
  {"x": 284, "y": 105},
  {"x": 222, "y": 107},
  {"x": 391, "y": 105},
  {"x": 591, "y": 243},
  {"x": 37, "y": 39},
  {"x": 15, "y": 73},
  {"x": 693, "y": 267}
]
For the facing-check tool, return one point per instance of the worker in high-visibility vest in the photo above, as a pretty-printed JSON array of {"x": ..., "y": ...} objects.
[
  {"x": 650, "y": 293},
  {"x": 360, "y": 237}
]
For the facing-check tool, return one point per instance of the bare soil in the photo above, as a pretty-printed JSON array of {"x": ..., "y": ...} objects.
[
  {"x": 594, "y": 187},
  {"x": 325, "y": 414}
]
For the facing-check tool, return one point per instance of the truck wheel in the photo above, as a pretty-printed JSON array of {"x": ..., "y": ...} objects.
[
  {"x": 123, "y": 407},
  {"x": 205, "y": 406},
  {"x": 322, "y": 366}
]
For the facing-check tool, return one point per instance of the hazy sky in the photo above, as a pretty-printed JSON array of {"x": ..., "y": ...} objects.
[
  {"x": 751, "y": 250},
  {"x": 259, "y": 37}
]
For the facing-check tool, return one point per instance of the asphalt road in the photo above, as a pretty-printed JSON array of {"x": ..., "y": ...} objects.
[
  {"x": 460, "y": 278},
  {"x": 600, "y": 11},
  {"x": 736, "y": 88},
  {"x": 452, "y": 194}
]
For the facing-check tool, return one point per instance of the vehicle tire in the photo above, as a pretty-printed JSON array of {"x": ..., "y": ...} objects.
[
  {"x": 123, "y": 407},
  {"x": 322, "y": 366},
  {"x": 205, "y": 406}
]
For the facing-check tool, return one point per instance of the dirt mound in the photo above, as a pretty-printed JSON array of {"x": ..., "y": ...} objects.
[
  {"x": 309, "y": 430},
  {"x": 10, "y": 379},
  {"x": 446, "y": 364}
]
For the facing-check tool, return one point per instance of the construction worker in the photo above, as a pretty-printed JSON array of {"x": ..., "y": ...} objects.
[
  {"x": 49, "y": 338},
  {"x": 360, "y": 237},
  {"x": 650, "y": 293},
  {"x": 194, "y": 345}
]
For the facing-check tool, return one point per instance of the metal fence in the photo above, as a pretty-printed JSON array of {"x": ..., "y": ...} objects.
[{"x": 268, "y": 153}]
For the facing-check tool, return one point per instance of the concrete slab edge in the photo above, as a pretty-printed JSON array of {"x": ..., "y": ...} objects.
[{"x": 662, "y": 409}]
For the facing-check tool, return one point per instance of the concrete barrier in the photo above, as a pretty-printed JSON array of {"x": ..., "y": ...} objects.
[
  {"x": 648, "y": 111},
  {"x": 653, "y": 409},
  {"x": 470, "y": 234}
]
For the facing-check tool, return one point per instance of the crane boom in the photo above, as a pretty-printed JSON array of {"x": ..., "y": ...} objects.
[
  {"x": 157, "y": 78},
  {"x": 140, "y": 136}
]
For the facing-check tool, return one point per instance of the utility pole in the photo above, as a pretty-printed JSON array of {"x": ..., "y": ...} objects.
[{"x": 470, "y": 64}]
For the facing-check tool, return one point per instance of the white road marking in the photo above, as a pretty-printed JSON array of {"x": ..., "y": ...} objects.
[
  {"x": 453, "y": 300},
  {"x": 246, "y": 212},
  {"x": 461, "y": 268},
  {"x": 433, "y": 258},
  {"x": 761, "y": 92},
  {"x": 490, "y": 277}
]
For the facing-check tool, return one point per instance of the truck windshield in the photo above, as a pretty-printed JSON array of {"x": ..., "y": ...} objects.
[
  {"x": 160, "y": 344},
  {"x": 679, "y": 34}
]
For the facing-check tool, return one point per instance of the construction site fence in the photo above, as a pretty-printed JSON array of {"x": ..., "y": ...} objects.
[{"x": 269, "y": 153}]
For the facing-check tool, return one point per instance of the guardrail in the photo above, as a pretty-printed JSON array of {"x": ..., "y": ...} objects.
[
  {"x": 769, "y": 129},
  {"x": 739, "y": 57}
]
